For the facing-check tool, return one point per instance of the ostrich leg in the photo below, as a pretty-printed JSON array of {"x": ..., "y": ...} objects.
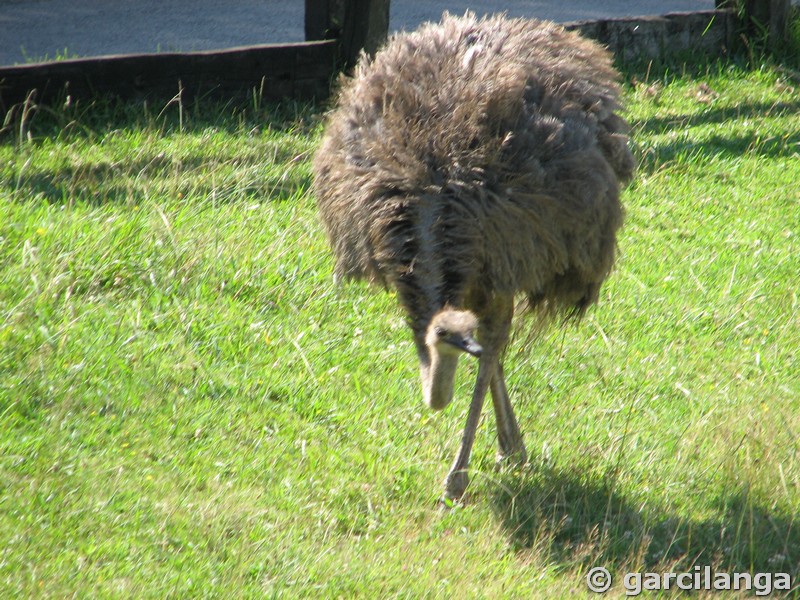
[
  {"x": 457, "y": 479},
  {"x": 512, "y": 447},
  {"x": 495, "y": 324}
]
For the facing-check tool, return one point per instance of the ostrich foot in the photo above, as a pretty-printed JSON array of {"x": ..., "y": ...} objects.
[
  {"x": 454, "y": 485},
  {"x": 514, "y": 456}
]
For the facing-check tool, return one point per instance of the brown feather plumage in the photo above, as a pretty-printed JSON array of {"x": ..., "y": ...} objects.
[{"x": 499, "y": 138}]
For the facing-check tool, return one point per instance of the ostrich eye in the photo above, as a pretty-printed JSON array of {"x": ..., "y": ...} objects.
[{"x": 440, "y": 331}]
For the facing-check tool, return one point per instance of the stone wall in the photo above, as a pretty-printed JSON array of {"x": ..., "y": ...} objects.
[{"x": 708, "y": 33}]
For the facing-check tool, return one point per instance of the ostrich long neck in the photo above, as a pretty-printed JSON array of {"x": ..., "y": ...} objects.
[{"x": 438, "y": 373}]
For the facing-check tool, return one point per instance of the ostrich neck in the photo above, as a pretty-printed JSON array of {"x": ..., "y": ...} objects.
[{"x": 438, "y": 375}]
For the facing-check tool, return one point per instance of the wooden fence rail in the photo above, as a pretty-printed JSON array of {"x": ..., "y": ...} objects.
[{"x": 296, "y": 70}]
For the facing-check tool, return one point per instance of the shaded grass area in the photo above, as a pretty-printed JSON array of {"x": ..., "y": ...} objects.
[{"x": 189, "y": 405}]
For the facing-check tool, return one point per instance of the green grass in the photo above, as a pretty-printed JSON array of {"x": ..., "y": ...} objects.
[
  {"x": 59, "y": 55},
  {"x": 189, "y": 407}
]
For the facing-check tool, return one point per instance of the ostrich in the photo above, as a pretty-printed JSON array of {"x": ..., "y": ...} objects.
[{"x": 469, "y": 165}]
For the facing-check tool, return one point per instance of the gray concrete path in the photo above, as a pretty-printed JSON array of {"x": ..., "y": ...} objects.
[{"x": 32, "y": 30}]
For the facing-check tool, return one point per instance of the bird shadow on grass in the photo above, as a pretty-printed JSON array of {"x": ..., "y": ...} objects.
[{"x": 581, "y": 521}]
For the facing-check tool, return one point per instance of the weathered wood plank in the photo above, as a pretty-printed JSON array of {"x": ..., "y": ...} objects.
[
  {"x": 366, "y": 25},
  {"x": 323, "y": 19},
  {"x": 770, "y": 16},
  {"x": 278, "y": 70},
  {"x": 762, "y": 19},
  {"x": 315, "y": 20}
]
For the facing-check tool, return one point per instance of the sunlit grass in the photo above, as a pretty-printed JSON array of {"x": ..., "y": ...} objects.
[{"x": 190, "y": 406}]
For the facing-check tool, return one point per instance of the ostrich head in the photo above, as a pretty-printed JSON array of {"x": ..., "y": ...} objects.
[
  {"x": 449, "y": 334},
  {"x": 452, "y": 332}
]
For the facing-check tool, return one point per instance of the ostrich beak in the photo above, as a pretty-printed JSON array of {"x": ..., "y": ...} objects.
[{"x": 468, "y": 345}]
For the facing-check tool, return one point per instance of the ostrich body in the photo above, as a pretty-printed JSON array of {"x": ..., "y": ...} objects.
[{"x": 470, "y": 163}]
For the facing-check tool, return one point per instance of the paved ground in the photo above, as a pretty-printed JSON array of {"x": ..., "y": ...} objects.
[{"x": 32, "y": 30}]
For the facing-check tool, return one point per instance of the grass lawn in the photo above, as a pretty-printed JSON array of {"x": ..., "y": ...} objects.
[{"x": 189, "y": 407}]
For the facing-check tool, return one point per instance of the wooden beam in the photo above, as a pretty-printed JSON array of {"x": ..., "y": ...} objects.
[
  {"x": 323, "y": 19},
  {"x": 277, "y": 70},
  {"x": 766, "y": 20},
  {"x": 780, "y": 12},
  {"x": 365, "y": 26}
]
